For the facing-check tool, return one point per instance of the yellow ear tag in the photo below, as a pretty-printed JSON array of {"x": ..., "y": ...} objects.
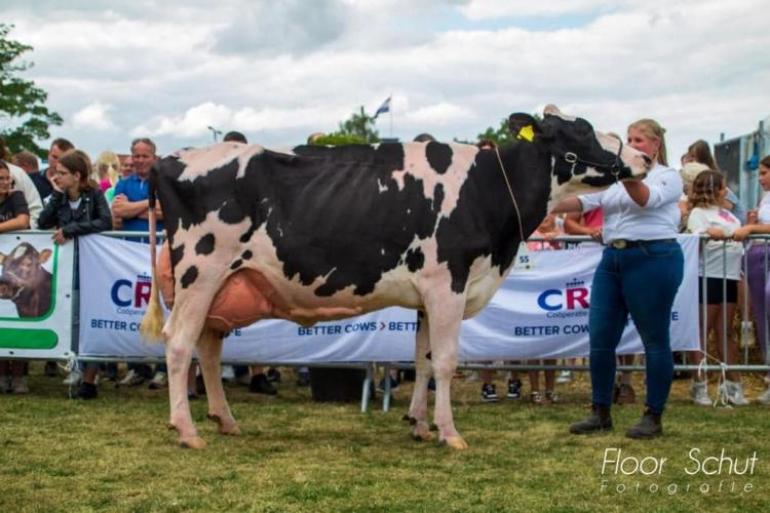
[{"x": 527, "y": 133}]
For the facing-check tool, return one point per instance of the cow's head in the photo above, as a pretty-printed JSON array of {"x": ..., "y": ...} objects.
[
  {"x": 22, "y": 269},
  {"x": 582, "y": 158}
]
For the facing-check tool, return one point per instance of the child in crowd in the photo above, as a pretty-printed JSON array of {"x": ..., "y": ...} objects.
[{"x": 721, "y": 263}]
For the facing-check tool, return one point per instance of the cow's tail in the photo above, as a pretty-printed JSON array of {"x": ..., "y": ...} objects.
[{"x": 151, "y": 328}]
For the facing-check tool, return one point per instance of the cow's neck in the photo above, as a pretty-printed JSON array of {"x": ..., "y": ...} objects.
[{"x": 529, "y": 174}]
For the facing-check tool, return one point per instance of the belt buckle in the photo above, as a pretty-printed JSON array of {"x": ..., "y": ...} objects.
[{"x": 619, "y": 244}]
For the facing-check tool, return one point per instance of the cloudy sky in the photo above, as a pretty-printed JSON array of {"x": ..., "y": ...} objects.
[{"x": 279, "y": 70}]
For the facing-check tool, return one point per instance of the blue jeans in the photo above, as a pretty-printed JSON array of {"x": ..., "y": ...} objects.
[{"x": 642, "y": 281}]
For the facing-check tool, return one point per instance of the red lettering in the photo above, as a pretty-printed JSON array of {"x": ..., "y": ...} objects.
[
  {"x": 577, "y": 296},
  {"x": 141, "y": 294}
]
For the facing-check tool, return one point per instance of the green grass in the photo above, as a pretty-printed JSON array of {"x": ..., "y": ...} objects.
[{"x": 115, "y": 454}]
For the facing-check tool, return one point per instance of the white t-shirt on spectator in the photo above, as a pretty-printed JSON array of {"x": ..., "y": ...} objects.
[{"x": 723, "y": 258}]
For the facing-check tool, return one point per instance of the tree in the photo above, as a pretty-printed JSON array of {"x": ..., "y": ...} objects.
[
  {"x": 24, "y": 117},
  {"x": 358, "y": 129},
  {"x": 500, "y": 135}
]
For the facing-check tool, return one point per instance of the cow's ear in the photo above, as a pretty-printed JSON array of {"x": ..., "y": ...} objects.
[
  {"x": 3, "y": 256},
  {"x": 45, "y": 255},
  {"x": 524, "y": 127}
]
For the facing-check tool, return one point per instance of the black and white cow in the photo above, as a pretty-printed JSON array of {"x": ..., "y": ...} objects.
[
  {"x": 24, "y": 280},
  {"x": 327, "y": 233}
]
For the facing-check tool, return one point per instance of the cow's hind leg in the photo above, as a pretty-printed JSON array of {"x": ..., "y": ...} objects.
[
  {"x": 418, "y": 409},
  {"x": 445, "y": 316},
  {"x": 209, "y": 355},
  {"x": 183, "y": 330},
  {"x": 178, "y": 355}
]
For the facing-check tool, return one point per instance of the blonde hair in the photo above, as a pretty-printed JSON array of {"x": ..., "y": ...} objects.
[
  {"x": 110, "y": 162},
  {"x": 653, "y": 130}
]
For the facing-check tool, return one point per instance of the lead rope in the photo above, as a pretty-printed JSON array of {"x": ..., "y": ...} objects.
[
  {"x": 722, "y": 398},
  {"x": 510, "y": 191}
]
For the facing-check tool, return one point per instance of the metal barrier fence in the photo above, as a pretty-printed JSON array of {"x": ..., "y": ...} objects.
[{"x": 749, "y": 340}]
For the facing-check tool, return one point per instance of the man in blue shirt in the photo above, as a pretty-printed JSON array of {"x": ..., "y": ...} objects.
[
  {"x": 131, "y": 204},
  {"x": 131, "y": 209}
]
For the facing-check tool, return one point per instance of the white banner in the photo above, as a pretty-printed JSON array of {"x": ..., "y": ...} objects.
[
  {"x": 35, "y": 296},
  {"x": 539, "y": 312}
]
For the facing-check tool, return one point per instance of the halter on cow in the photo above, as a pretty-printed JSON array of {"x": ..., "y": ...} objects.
[{"x": 327, "y": 233}]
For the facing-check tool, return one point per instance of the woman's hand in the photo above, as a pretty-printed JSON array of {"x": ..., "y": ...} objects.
[
  {"x": 751, "y": 216},
  {"x": 59, "y": 238}
]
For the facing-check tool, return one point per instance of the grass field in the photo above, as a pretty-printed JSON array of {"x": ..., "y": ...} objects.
[{"x": 114, "y": 454}]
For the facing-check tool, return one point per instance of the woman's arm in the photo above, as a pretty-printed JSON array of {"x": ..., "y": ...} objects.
[
  {"x": 20, "y": 222},
  {"x": 49, "y": 217},
  {"x": 567, "y": 205}
]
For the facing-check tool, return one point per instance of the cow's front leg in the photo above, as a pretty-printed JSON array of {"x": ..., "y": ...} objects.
[
  {"x": 178, "y": 356},
  {"x": 209, "y": 355},
  {"x": 418, "y": 409},
  {"x": 445, "y": 316}
]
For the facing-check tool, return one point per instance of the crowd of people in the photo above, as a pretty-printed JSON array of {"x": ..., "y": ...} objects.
[{"x": 637, "y": 221}]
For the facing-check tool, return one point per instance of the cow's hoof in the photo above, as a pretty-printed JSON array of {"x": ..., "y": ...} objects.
[
  {"x": 455, "y": 442},
  {"x": 225, "y": 427},
  {"x": 192, "y": 442},
  {"x": 421, "y": 433}
]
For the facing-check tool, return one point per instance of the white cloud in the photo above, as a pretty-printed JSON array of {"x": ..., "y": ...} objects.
[
  {"x": 94, "y": 115},
  {"x": 453, "y": 67},
  {"x": 440, "y": 114}
]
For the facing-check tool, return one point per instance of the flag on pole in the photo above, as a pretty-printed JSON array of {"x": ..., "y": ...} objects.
[{"x": 385, "y": 107}]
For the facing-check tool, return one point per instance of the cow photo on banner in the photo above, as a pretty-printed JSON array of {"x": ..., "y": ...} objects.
[{"x": 35, "y": 297}]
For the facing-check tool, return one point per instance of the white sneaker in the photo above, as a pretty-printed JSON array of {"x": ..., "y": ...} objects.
[
  {"x": 765, "y": 397},
  {"x": 700, "y": 394},
  {"x": 734, "y": 393},
  {"x": 74, "y": 378},
  {"x": 564, "y": 376},
  {"x": 131, "y": 379},
  {"x": 228, "y": 373},
  {"x": 159, "y": 380}
]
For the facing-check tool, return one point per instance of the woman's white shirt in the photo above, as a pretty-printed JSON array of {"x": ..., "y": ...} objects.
[{"x": 625, "y": 219}]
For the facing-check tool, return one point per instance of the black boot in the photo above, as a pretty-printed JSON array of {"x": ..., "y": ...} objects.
[
  {"x": 260, "y": 385},
  {"x": 599, "y": 420},
  {"x": 86, "y": 391},
  {"x": 649, "y": 427}
]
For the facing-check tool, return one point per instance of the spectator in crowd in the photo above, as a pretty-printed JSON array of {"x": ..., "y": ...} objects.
[
  {"x": 108, "y": 170},
  {"x": 590, "y": 224},
  {"x": 260, "y": 382},
  {"x": 29, "y": 163},
  {"x": 758, "y": 222},
  {"x": 721, "y": 260},
  {"x": 20, "y": 181},
  {"x": 234, "y": 136},
  {"x": 76, "y": 207},
  {"x": 486, "y": 144},
  {"x": 548, "y": 230},
  {"x": 14, "y": 215},
  {"x": 700, "y": 152},
  {"x": 131, "y": 210},
  {"x": 424, "y": 137},
  {"x": 639, "y": 273},
  {"x": 56, "y": 150}
]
